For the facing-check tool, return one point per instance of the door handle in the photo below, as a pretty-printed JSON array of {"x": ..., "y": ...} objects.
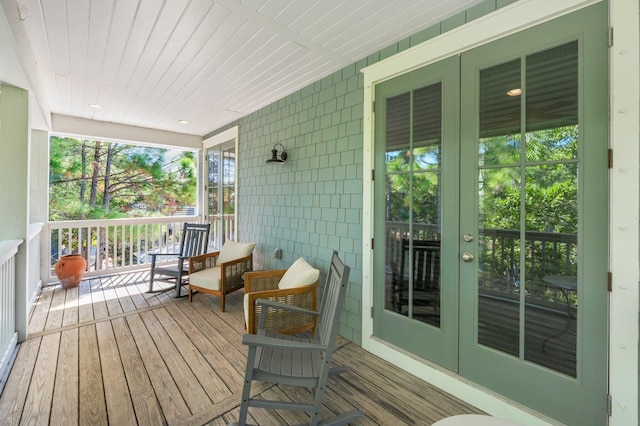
[
  {"x": 468, "y": 238},
  {"x": 467, "y": 257}
]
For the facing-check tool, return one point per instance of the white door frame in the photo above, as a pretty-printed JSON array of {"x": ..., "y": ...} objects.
[
  {"x": 222, "y": 137},
  {"x": 624, "y": 196}
]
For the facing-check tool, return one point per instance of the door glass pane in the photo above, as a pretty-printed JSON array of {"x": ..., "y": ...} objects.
[
  {"x": 499, "y": 145},
  {"x": 213, "y": 196},
  {"x": 528, "y": 216},
  {"x": 221, "y": 199},
  {"x": 552, "y": 208},
  {"x": 413, "y": 212},
  {"x": 213, "y": 160},
  {"x": 397, "y": 207},
  {"x": 499, "y": 259}
]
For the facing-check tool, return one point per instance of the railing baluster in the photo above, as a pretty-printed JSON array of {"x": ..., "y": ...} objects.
[{"x": 8, "y": 334}]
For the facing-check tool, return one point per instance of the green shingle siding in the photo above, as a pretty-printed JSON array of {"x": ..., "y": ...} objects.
[{"x": 313, "y": 204}]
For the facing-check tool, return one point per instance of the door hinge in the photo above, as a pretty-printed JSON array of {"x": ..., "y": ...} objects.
[
  {"x": 610, "y": 159},
  {"x": 609, "y": 281},
  {"x": 610, "y": 35},
  {"x": 372, "y": 244},
  {"x": 373, "y": 107},
  {"x": 372, "y": 312},
  {"x": 609, "y": 405},
  {"x": 373, "y": 175}
]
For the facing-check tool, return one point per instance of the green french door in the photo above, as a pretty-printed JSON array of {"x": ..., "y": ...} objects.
[
  {"x": 416, "y": 195},
  {"x": 491, "y": 199}
]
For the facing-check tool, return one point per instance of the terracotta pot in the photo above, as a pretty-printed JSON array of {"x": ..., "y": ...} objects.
[{"x": 70, "y": 269}]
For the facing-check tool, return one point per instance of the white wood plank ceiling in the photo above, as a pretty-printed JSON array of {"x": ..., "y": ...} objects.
[{"x": 151, "y": 63}]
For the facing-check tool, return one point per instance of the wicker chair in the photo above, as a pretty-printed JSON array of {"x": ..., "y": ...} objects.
[
  {"x": 221, "y": 272},
  {"x": 264, "y": 285}
]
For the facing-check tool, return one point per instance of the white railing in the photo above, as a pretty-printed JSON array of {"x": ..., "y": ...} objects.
[
  {"x": 116, "y": 245},
  {"x": 8, "y": 334},
  {"x": 223, "y": 228}
]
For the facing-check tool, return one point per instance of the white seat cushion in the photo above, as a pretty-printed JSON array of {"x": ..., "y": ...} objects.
[
  {"x": 207, "y": 278},
  {"x": 246, "y": 310},
  {"x": 232, "y": 250},
  {"x": 299, "y": 274}
]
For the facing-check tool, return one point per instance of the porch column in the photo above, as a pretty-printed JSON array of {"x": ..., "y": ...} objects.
[
  {"x": 14, "y": 188},
  {"x": 39, "y": 201}
]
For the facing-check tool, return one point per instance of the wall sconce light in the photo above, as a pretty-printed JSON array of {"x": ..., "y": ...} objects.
[{"x": 274, "y": 155}]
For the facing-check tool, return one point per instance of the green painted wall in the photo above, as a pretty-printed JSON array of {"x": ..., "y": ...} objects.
[{"x": 313, "y": 204}]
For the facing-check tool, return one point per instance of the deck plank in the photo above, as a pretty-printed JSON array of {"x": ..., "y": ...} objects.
[
  {"x": 37, "y": 407},
  {"x": 65, "y": 395},
  {"x": 98, "y": 299},
  {"x": 220, "y": 361},
  {"x": 231, "y": 331},
  {"x": 169, "y": 397},
  {"x": 185, "y": 380},
  {"x": 41, "y": 310},
  {"x": 92, "y": 406},
  {"x": 111, "y": 297},
  {"x": 142, "y": 393},
  {"x": 70, "y": 313},
  {"x": 85, "y": 307},
  {"x": 126, "y": 302},
  {"x": 56, "y": 311},
  {"x": 19, "y": 381},
  {"x": 119, "y": 406},
  {"x": 212, "y": 326},
  {"x": 215, "y": 387},
  {"x": 136, "y": 292}
]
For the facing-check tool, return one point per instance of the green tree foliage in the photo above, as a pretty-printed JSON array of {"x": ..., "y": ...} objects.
[
  {"x": 413, "y": 184},
  {"x": 548, "y": 168},
  {"x": 121, "y": 180}
]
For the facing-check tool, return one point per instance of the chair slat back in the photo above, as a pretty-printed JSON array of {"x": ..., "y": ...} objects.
[
  {"x": 332, "y": 301},
  {"x": 195, "y": 239},
  {"x": 426, "y": 263}
]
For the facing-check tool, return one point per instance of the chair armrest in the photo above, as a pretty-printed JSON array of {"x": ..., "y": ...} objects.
[
  {"x": 284, "y": 306},
  {"x": 231, "y": 273},
  {"x": 163, "y": 254},
  {"x": 203, "y": 261},
  {"x": 262, "y": 280},
  {"x": 274, "y": 342},
  {"x": 154, "y": 257},
  {"x": 298, "y": 314}
]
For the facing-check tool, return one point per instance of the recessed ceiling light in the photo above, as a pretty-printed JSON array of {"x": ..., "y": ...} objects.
[
  {"x": 183, "y": 122},
  {"x": 96, "y": 106},
  {"x": 515, "y": 92}
]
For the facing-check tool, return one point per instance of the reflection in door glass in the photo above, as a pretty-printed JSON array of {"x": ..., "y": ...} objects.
[
  {"x": 528, "y": 216},
  {"x": 413, "y": 207},
  {"x": 552, "y": 208}
]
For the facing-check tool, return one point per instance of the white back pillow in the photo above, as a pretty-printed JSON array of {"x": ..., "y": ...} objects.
[
  {"x": 232, "y": 251},
  {"x": 299, "y": 274}
]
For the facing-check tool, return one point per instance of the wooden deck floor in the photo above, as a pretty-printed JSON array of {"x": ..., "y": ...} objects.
[{"x": 109, "y": 353}]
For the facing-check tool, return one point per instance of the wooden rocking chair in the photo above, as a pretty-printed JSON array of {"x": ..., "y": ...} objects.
[
  {"x": 299, "y": 361},
  {"x": 193, "y": 242}
]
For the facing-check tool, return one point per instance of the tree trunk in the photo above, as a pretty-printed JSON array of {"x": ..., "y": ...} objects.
[
  {"x": 83, "y": 177},
  {"x": 106, "y": 198},
  {"x": 84, "y": 237},
  {"x": 94, "y": 177}
]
